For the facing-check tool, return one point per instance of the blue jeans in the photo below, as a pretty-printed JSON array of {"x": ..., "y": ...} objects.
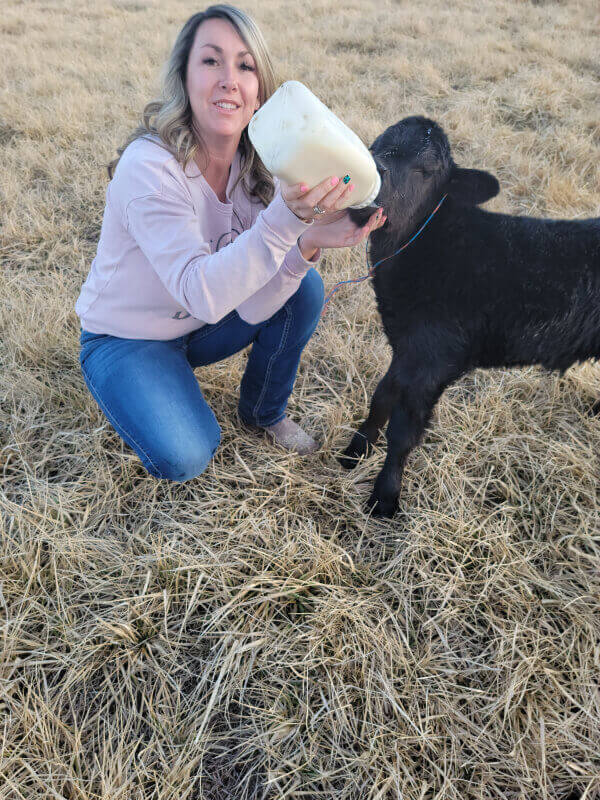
[{"x": 150, "y": 395}]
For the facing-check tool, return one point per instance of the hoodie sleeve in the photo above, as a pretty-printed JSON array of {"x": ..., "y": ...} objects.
[
  {"x": 210, "y": 285},
  {"x": 264, "y": 303}
]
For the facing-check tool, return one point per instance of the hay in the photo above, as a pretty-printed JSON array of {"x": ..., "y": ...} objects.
[{"x": 253, "y": 634}]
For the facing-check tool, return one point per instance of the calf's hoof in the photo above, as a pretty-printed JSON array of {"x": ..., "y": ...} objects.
[
  {"x": 380, "y": 506},
  {"x": 359, "y": 446}
]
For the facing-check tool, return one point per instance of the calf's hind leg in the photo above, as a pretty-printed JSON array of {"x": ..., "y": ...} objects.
[{"x": 379, "y": 412}]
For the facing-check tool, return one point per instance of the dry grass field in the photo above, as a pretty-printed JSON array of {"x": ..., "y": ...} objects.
[{"x": 253, "y": 633}]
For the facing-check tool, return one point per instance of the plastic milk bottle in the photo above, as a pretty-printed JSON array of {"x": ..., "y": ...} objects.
[{"x": 299, "y": 139}]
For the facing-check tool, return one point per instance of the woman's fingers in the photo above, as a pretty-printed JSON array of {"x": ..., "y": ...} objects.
[
  {"x": 317, "y": 195},
  {"x": 376, "y": 220},
  {"x": 334, "y": 199},
  {"x": 297, "y": 190},
  {"x": 327, "y": 193}
]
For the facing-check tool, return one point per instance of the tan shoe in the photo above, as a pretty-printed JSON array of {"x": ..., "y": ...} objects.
[{"x": 290, "y": 436}]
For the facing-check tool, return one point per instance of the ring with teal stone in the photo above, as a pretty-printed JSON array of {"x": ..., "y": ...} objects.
[{"x": 347, "y": 179}]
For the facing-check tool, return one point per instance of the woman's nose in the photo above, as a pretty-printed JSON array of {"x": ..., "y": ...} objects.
[{"x": 228, "y": 76}]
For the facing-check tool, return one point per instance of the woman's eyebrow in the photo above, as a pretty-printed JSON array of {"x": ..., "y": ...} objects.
[{"x": 220, "y": 49}]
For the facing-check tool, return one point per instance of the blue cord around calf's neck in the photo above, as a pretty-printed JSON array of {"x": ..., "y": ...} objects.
[{"x": 372, "y": 269}]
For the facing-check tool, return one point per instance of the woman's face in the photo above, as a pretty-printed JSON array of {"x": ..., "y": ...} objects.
[{"x": 221, "y": 68}]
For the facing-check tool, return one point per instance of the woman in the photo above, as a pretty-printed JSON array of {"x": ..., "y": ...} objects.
[{"x": 201, "y": 255}]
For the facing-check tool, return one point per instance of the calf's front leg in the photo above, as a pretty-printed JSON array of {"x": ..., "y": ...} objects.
[
  {"x": 379, "y": 412},
  {"x": 408, "y": 420}
]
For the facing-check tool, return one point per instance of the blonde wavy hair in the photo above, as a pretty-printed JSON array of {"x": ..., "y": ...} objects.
[{"x": 170, "y": 116}]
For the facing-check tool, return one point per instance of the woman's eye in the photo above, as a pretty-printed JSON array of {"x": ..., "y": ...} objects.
[{"x": 213, "y": 61}]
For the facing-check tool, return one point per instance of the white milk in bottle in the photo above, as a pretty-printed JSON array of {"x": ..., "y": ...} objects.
[{"x": 299, "y": 139}]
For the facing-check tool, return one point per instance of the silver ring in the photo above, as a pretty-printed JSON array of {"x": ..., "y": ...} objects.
[{"x": 318, "y": 210}]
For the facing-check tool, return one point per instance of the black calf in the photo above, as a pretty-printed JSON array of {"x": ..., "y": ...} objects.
[{"x": 475, "y": 289}]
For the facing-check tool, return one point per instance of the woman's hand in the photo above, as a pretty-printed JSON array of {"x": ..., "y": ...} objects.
[
  {"x": 329, "y": 195},
  {"x": 337, "y": 230}
]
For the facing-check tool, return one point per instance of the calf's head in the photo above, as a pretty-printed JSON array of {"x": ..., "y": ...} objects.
[{"x": 416, "y": 168}]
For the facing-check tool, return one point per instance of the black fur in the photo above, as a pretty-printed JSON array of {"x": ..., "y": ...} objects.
[{"x": 475, "y": 289}]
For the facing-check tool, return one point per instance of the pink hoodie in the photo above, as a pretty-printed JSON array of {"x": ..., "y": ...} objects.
[{"x": 172, "y": 257}]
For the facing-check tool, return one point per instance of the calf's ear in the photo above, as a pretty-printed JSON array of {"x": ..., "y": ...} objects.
[{"x": 472, "y": 186}]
